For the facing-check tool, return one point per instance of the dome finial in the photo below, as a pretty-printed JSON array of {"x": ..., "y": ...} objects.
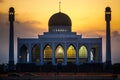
[{"x": 59, "y": 6}]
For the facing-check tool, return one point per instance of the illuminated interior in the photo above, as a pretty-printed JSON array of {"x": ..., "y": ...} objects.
[
  {"x": 71, "y": 54},
  {"x": 59, "y": 54},
  {"x": 35, "y": 53},
  {"x": 83, "y": 54},
  {"x": 48, "y": 53}
]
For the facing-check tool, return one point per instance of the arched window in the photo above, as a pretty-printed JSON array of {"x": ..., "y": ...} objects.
[
  {"x": 83, "y": 54},
  {"x": 59, "y": 54},
  {"x": 48, "y": 53},
  {"x": 35, "y": 53},
  {"x": 23, "y": 54},
  {"x": 71, "y": 54}
]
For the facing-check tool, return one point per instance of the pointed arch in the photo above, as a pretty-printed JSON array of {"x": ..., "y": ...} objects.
[
  {"x": 23, "y": 54},
  {"x": 59, "y": 54},
  {"x": 83, "y": 53},
  {"x": 71, "y": 53},
  {"x": 36, "y": 53},
  {"x": 48, "y": 53}
]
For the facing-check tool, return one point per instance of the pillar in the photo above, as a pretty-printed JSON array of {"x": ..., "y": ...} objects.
[
  {"x": 77, "y": 55},
  {"x": 65, "y": 54},
  {"x": 11, "y": 38},
  {"x": 30, "y": 52},
  {"x": 89, "y": 50},
  {"x": 41, "y": 55},
  {"x": 108, "y": 39},
  {"x": 53, "y": 54}
]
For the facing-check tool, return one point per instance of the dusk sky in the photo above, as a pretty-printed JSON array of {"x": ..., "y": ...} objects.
[{"x": 31, "y": 19}]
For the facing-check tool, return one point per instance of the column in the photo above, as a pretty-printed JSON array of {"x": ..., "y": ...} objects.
[
  {"x": 77, "y": 54},
  {"x": 65, "y": 54},
  {"x": 53, "y": 54},
  {"x": 89, "y": 50},
  {"x": 100, "y": 52},
  {"x": 41, "y": 55},
  {"x": 18, "y": 53},
  {"x": 29, "y": 52}
]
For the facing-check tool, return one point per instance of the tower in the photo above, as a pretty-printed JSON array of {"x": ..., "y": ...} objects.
[
  {"x": 11, "y": 38},
  {"x": 108, "y": 40}
]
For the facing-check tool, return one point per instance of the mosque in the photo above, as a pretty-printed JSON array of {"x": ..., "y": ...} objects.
[{"x": 59, "y": 45}]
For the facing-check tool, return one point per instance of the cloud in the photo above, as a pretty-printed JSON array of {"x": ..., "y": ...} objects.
[
  {"x": 116, "y": 35},
  {"x": 17, "y": 22},
  {"x": 92, "y": 33},
  {"x": 115, "y": 45},
  {"x": 3, "y": 38},
  {"x": 28, "y": 28},
  {"x": 28, "y": 22},
  {"x": 32, "y": 22},
  {"x": 3, "y": 17},
  {"x": 1, "y": 1}
]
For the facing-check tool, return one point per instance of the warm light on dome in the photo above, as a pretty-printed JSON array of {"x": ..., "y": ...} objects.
[{"x": 59, "y": 22}]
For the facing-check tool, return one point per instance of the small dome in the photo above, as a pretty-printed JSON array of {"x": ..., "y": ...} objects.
[
  {"x": 59, "y": 19},
  {"x": 108, "y": 9},
  {"x": 59, "y": 22},
  {"x": 11, "y": 9}
]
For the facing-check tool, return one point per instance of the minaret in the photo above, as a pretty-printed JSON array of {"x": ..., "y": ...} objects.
[
  {"x": 11, "y": 38},
  {"x": 108, "y": 39}
]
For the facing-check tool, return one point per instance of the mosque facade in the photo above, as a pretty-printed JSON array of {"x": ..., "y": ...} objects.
[{"x": 59, "y": 45}]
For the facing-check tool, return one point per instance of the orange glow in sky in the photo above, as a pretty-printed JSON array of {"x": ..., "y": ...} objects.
[{"x": 86, "y": 15}]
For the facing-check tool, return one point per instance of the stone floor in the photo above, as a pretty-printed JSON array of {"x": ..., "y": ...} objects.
[{"x": 59, "y": 76}]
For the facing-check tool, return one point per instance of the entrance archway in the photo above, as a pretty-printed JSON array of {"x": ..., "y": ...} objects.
[
  {"x": 35, "y": 53},
  {"x": 71, "y": 54},
  {"x": 83, "y": 54},
  {"x": 23, "y": 54},
  {"x": 59, "y": 54},
  {"x": 48, "y": 54}
]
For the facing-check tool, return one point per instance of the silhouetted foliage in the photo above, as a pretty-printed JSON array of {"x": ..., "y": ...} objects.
[
  {"x": 116, "y": 68},
  {"x": 1, "y": 68},
  {"x": 14, "y": 75},
  {"x": 70, "y": 67},
  {"x": 26, "y": 67}
]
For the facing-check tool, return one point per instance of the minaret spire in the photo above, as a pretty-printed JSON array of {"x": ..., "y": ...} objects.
[
  {"x": 11, "y": 38},
  {"x": 59, "y": 6},
  {"x": 108, "y": 37}
]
